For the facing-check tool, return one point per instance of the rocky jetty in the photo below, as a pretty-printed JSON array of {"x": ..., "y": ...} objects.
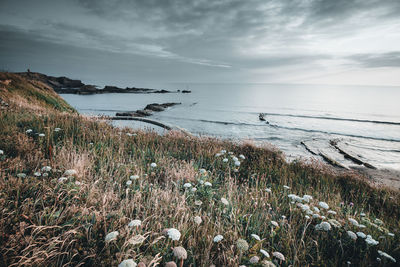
[
  {"x": 64, "y": 85},
  {"x": 148, "y": 110}
]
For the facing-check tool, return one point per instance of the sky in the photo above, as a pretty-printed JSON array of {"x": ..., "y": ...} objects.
[{"x": 134, "y": 42}]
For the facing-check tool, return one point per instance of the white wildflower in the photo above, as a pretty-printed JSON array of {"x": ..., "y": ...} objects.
[
  {"x": 265, "y": 253},
  {"x": 111, "y": 236},
  {"x": 316, "y": 209},
  {"x": 198, "y": 202},
  {"x": 316, "y": 216},
  {"x": 134, "y": 223},
  {"x": 153, "y": 165},
  {"x": 274, "y": 223},
  {"x": 70, "y": 172},
  {"x": 268, "y": 190},
  {"x": 46, "y": 169},
  {"x": 362, "y": 214},
  {"x": 194, "y": 189},
  {"x": 256, "y": 237},
  {"x": 332, "y": 212},
  {"x": 370, "y": 241},
  {"x": 307, "y": 198},
  {"x": 42, "y": 135},
  {"x": 218, "y": 238},
  {"x": 174, "y": 234},
  {"x": 353, "y": 222},
  {"x": 334, "y": 223},
  {"x": 187, "y": 185},
  {"x": 201, "y": 182},
  {"x": 207, "y": 184},
  {"x": 37, "y": 174},
  {"x": 57, "y": 129},
  {"x": 223, "y": 151},
  {"x": 254, "y": 260},
  {"x": 218, "y": 154},
  {"x": 128, "y": 183},
  {"x": 29, "y": 131},
  {"x": 352, "y": 235},
  {"x": 1, "y": 152},
  {"x": 77, "y": 183},
  {"x": 278, "y": 255},
  {"x": 237, "y": 163},
  {"x": 384, "y": 254},
  {"x": 134, "y": 177},
  {"x": 21, "y": 175},
  {"x": 127, "y": 263},
  {"x": 197, "y": 220},
  {"x": 224, "y": 201},
  {"x": 323, "y": 205},
  {"x": 286, "y": 187},
  {"x": 361, "y": 235},
  {"x": 203, "y": 171},
  {"x": 307, "y": 217},
  {"x": 225, "y": 160},
  {"x": 235, "y": 158},
  {"x": 390, "y": 234},
  {"x": 62, "y": 179},
  {"x": 242, "y": 156},
  {"x": 325, "y": 226}
]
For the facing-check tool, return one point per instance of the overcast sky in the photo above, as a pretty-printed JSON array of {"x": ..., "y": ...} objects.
[{"x": 130, "y": 42}]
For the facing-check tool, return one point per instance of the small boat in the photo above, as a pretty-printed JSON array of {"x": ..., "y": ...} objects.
[{"x": 261, "y": 116}]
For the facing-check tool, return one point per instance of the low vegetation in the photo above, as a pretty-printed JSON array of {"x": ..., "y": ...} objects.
[{"x": 76, "y": 191}]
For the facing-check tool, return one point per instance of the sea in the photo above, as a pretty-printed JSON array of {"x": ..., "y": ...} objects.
[{"x": 303, "y": 121}]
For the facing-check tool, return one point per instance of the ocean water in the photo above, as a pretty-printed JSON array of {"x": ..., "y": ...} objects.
[{"x": 363, "y": 120}]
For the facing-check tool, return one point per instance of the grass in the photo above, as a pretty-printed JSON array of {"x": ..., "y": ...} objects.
[{"x": 47, "y": 222}]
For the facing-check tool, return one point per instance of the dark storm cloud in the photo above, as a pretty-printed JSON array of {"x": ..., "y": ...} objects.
[{"x": 390, "y": 59}]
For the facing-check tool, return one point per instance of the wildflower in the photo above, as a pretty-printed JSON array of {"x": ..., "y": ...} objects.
[
  {"x": 207, "y": 184},
  {"x": 323, "y": 205},
  {"x": 153, "y": 165},
  {"x": 127, "y": 263},
  {"x": 1, "y": 152},
  {"x": 256, "y": 237},
  {"x": 352, "y": 235},
  {"x": 370, "y": 241},
  {"x": 62, "y": 179},
  {"x": 304, "y": 207},
  {"x": 278, "y": 255},
  {"x": 286, "y": 187},
  {"x": 334, "y": 223},
  {"x": 332, "y": 212},
  {"x": 307, "y": 198},
  {"x": 384, "y": 254},
  {"x": 136, "y": 239},
  {"x": 362, "y": 214},
  {"x": 353, "y": 222},
  {"x": 265, "y": 253},
  {"x": 57, "y": 129},
  {"x": 274, "y": 223},
  {"x": 218, "y": 154},
  {"x": 267, "y": 263},
  {"x": 225, "y": 160},
  {"x": 21, "y": 175},
  {"x": 46, "y": 169},
  {"x": 197, "y": 220},
  {"x": 194, "y": 189},
  {"x": 203, "y": 171},
  {"x": 254, "y": 260},
  {"x": 29, "y": 131},
  {"x": 134, "y": 223},
  {"x": 242, "y": 156},
  {"x": 77, "y": 183},
  {"x": 70, "y": 172},
  {"x": 128, "y": 183},
  {"x": 361, "y": 235},
  {"x": 316, "y": 209},
  {"x": 134, "y": 177},
  {"x": 223, "y": 151},
  {"x": 201, "y": 182},
  {"x": 237, "y": 163},
  {"x": 218, "y": 238},
  {"x": 37, "y": 174},
  {"x": 307, "y": 217},
  {"x": 224, "y": 201},
  {"x": 111, "y": 236},
  {"x": 316, "y": 216},
  {"x": 174, "y": 234},
  {"x": 181, "y": 254},
  {"x": 325, "y": 226},
  {"x": 390, "y": 234},
  {"x": 268, "y": 190},
  {"x": 198, "y": 202},
  {"x": 361, "y": 226},
  {"x": 187, "y": 185},
  {"x": 42, "y": 135},
  {"x": 242, "y": 245},
  {"x": 235, "y": 158},
  {"x": 294, "y": 197}
]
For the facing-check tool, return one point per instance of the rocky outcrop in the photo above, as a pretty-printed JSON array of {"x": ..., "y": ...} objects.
[
  {"x": 148, "y": 110},
  {"x": 64, "y": 85}
]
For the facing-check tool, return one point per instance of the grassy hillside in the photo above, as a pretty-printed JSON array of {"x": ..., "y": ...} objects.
[{"x": 51, "y": 217}]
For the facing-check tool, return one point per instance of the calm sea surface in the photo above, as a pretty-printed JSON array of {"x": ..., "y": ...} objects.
[{"x": 364, "y": 120}]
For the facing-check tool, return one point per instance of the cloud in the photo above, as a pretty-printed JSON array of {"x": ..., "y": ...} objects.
[{"x": 378, "y": 60}]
